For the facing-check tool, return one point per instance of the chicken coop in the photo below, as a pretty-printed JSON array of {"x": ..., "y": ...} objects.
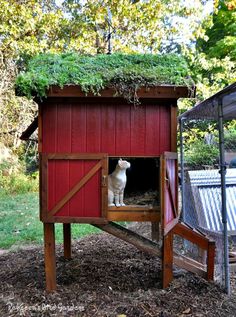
[{"x": 81, "y": 137}]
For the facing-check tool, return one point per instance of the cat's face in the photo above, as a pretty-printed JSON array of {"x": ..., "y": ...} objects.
[{"x": 123, "y": 164}]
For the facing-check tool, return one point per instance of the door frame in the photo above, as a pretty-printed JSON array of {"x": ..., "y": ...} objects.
[
  {"x": 49, "y": 216},
  {"x": 165, "y": 184}
]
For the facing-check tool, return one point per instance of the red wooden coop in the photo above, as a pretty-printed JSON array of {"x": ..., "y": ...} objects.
[{"x": 80, "y": 139}]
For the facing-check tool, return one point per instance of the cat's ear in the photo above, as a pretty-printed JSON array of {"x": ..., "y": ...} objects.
[{"x": 120, "y": 162}]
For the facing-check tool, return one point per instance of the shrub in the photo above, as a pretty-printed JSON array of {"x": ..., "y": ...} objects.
[
  {"x": 18, "y": 183},
  {"x": 230, "y": 140},
  {"x": 200, "y": 153}
]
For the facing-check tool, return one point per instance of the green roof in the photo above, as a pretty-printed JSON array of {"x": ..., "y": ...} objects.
[{"x": 125, "y": 73}]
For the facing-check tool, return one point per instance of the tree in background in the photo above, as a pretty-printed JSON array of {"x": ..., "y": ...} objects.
[
  {"x": 214, "y": 55},
  {"x": 26, "y": 28},
  {"x": 212, "y": 61},
  {"x": 29, "y": 27},
  {"x": 136, "y": 25}
]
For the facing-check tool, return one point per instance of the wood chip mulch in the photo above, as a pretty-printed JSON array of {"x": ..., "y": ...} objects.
[{"x": 106, "y": 277}]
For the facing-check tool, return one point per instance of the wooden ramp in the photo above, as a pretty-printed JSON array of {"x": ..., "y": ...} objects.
[
  {"x": 166, "y": 252},
  {"x": 141, "y": 243}
]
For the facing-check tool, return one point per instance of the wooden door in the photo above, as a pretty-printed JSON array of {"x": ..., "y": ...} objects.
[
  {"x": 73, "y": 188},
  {"x": 169, "y": 191}
]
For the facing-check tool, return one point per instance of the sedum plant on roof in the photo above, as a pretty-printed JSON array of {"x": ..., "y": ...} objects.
[{"x": 125, "y": 73}]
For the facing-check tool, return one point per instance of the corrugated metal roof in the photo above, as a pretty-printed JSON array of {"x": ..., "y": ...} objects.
[{"x": 206, "y": 194}]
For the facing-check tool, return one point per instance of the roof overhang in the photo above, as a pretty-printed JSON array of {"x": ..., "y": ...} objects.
[
  {"x": 208, "y": 109},
  {"x": 155, "y": 92}
]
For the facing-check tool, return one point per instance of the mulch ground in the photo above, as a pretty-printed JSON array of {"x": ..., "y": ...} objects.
[{"x": 106, "y": 277}]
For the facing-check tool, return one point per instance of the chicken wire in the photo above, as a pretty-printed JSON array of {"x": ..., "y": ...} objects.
[{"x": 202, "y": 209}]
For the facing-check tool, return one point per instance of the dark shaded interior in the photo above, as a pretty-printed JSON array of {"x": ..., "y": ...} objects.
[{"x": 143, "y": 175}]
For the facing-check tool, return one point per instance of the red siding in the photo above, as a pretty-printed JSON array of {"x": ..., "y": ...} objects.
[
  {"x": 116, "y": 129},
  {"x": 119, "y": 130},
  {"x": 63, "y": 175}
]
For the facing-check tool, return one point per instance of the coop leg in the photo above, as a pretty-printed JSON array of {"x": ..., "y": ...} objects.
[
  {"x": 67, "y": 240},
  {"x": 155, "y": 231},
  {"x": 49, "y": 256},
  {"x": 167, "y": 259}
]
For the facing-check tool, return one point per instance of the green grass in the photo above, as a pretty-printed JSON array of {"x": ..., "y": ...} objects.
[
  {"x": 124, "y": 72},
  {"x": 20, "y": 224}
]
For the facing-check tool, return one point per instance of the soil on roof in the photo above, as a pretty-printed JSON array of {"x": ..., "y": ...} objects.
[{"x": 106, "y": 277}]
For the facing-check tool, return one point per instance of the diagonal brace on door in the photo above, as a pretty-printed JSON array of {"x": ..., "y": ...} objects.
[{"x": 75, "y": 189}]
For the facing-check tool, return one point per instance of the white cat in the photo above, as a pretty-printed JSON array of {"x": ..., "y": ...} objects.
[{"x": 116, "y": 184}]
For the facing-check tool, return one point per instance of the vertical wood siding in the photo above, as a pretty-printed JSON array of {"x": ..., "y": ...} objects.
[
  {"x": 63, "y": 175},
  {"x": 119, "y": 130},
  {"x": 116, "y": 129}
]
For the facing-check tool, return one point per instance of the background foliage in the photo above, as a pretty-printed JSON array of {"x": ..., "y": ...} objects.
[{"x": 202, "y": 31}]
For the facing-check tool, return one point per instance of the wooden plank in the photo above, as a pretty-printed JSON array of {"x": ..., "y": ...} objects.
[
  {"x": 49, "y": 256},
  {"x": 104, "y": 186},
  {"x": 162, "y": 191},
  {"x": 63, "y": 128},
  {"x": 76, "y": 203},
  {"x": 123, "y": 130},
  {"x": 170, "y": 226},
  {"x": 40, "y": 130},
  {"x": 210, "y": 260},
  {"x": 58, "y": 185},
  {"x": 138, "y": 129},
  {"x": 30, "y": 130},
  {"x": 49, "y": 128},
  {"x": 167, "y": 259},
  {"x": 173, "y": 127},
  {"x": 67, "y": 240},
  {"x": 141, "y": 243},
  {"x": 140, "y": 216},
  {"x": 78, "y": 127},
  {"x": 190, "y": 235},
  {"x": 108, "y": 128},
  {"x": 169, "y": 213},
  {"x": 153, "y": 135},
  {"x": 43, "y": 186},
  {"x": 155, "y": 231},
  {"x": 190, "y": 265},
  {"x": 134, "y": 208},
  {"x": 93, "y": 129},
  {"x": 93, "y": 191},
  {"x": 164, "y": 91},
  {"x": 75, "y": 156},
  {"x": 75, "y": 189},
  {"x": 164, "y": 129},
  {"x": 89, "y": 220}
]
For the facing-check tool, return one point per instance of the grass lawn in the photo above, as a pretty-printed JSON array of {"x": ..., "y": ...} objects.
[{"x": 20, "y": 224}]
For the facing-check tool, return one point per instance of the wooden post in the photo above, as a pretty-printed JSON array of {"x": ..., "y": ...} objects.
[
  {"x": 167, "y": 259},
  {"x": 155, "y": 231},
  {"x": 210, "y": 260},
  {"x": 67, "y": 240},
  {"x": 50, "y": 256}
]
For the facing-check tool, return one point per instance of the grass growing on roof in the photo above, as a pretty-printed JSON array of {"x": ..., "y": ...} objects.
[{"x": 125, "y": 73}]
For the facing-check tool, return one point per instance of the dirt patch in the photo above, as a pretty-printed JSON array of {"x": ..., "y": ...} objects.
[{"x": 106, "y": 277}]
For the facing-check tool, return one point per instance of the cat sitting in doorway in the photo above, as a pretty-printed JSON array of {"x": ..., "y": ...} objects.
[{"x": 116, "y": 184}]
